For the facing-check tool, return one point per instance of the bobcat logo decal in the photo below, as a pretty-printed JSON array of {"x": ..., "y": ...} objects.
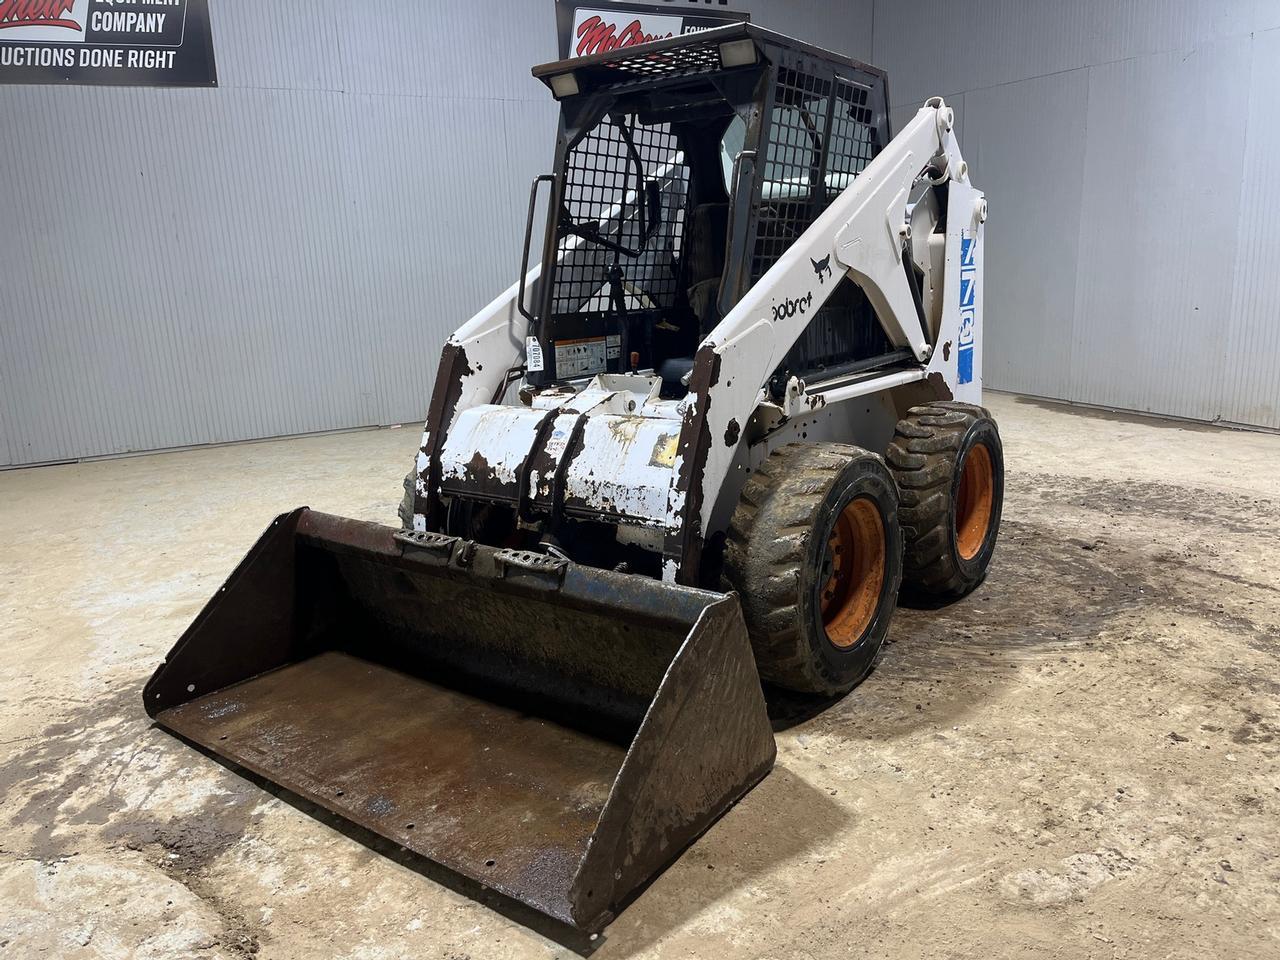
[{"x": 822, "y": 266}]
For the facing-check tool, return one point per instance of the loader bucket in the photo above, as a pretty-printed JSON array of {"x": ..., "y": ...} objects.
[{"x": 556, "y": 733}]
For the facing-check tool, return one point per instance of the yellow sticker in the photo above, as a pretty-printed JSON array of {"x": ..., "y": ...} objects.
[{"x": 664, "y": 451}]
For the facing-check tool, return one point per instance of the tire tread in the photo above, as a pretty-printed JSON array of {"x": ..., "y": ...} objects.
[
  {"x": 922, "y": 456},
  {"x": 766, "y": 548}
]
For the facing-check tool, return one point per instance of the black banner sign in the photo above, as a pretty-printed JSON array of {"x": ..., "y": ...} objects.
[
  {"x": 151, "y": 42},
  {"x": 598, "y": 26}
]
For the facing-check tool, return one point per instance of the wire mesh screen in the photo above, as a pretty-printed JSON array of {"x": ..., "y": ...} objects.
[
  {"x": 603, "y": 192},
  {"x": 821, "y": 134},
  {"x": 683, "y": 60},
  {"x": 854, "y": 138},
  {"x": 791, "y": 183},
  {"x": 844, "y": 329}
]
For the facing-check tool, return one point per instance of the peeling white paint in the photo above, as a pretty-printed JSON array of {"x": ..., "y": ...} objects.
[{"x": 669, "y": 570}]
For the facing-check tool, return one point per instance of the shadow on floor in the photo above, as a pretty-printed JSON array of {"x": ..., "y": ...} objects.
[
  {"x": 780, "y": 821},
  {"x": 810, "y": 813}
]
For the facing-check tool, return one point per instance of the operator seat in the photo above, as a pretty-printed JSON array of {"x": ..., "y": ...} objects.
[{"x": 704, "y": 244}]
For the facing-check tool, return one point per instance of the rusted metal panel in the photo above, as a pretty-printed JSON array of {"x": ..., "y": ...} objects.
[
  {"x": 606, "y": 453},
  {"x": 624, "y": 469},
  {"x": 683, "y": 550},
  {"x": 545, "y": 463},
  {"x": 485, "y": 451},
  {"x": 700, "y": 749},
  {"x": 539, "y": 727},
  {"x": 255, "y": 633},
  {"x": 486, "y": 790}
]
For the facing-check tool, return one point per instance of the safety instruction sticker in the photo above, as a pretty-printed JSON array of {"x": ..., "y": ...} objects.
[{"x": 581, "y": 358}]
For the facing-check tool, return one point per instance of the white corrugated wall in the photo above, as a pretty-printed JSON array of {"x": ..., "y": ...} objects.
[
  {"x": 1128, "y": 151},
  {"x": 285, "y": 253}
]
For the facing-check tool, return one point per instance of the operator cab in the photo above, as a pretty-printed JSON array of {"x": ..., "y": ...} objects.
[{"x": 684, "y": 169}]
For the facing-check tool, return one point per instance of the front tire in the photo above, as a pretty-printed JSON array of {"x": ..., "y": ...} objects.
[{"x": 815, "y": 554}]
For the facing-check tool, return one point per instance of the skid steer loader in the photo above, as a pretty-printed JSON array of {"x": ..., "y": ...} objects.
[{"x": 705, "y": 441}]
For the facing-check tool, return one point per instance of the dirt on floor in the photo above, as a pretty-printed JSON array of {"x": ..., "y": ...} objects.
[{"x": 1079, "y": 760}]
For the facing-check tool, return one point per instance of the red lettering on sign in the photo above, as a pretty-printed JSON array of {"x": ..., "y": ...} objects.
[
  {"x": 596, "y": 36},
  {"x": 36, "y": 13}
]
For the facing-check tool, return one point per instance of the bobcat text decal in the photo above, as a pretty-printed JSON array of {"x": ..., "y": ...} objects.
[
  {"x": 37, "y": 13},
  {"x": 789, "y": 308}
]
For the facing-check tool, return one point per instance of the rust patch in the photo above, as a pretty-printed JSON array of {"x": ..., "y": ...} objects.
[
  {"x": 625, "y": 429},
  {"x": 572, "y": 448},
  {"x": 695, "y": 444},
  {"x": 946, "y": 350},
  {"x": 731, "y": 433},
  {"x": 938, "y": 384},
  {"x": 478, "y": 472},
  {"x": 444, "y": 404},
  {"x": 538, "y": 459}
]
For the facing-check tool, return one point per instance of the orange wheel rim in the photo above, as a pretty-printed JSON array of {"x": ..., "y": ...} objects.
[
  {"x": 974, "y": 501},
  {"x": 855, "y": 552}
]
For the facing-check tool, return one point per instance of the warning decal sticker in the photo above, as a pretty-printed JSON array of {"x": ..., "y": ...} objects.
[{"x": 580, "y": 358}]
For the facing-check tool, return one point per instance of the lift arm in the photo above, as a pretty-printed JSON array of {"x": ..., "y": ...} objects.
[
  {"x": 865, "y": 234},
  {"x": 865, "y": 231}
]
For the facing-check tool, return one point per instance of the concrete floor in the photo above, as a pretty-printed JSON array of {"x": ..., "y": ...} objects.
[{"x": 1080, "y": 760}]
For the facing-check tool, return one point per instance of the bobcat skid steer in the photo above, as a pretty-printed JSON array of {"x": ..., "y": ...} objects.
[{"x": 705, "y": 441}]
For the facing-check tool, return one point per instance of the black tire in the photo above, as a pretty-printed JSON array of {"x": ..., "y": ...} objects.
[
  {"x": 779, "y": 558},
  {"x": 405, "y": 510},
  {"x": 950, "y": 522}
]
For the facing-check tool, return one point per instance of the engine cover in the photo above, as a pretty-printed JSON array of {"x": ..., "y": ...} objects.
[{"x": 592, "y": 465}]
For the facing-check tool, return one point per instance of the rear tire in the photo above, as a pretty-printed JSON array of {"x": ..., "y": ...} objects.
[
  {"x": 815, "y": 554},
  {"x": 949, "y": 464}
]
